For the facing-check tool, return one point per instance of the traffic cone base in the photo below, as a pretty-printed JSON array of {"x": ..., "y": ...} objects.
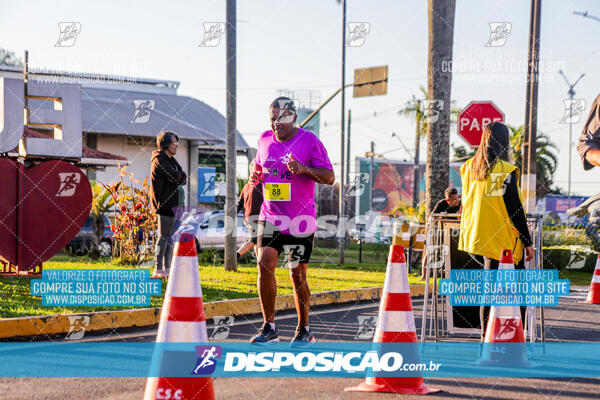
[
  {"x": 594, "y": 293},
  {"x": 396, "y": 324},
  {"x": 404, "y": 389},
  {"x": 504, "y": 327},
  {"x": 182, "y": 320}
]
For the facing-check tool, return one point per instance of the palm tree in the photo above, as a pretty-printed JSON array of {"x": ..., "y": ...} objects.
[
  {"x": 416, "y": 109},
  {"x": 439, "y": 84},
  {"x": 545, "y": 158},
  {"x": 461, "y": 153}
]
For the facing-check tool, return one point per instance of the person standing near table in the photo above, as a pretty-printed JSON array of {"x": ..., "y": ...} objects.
[
  {"x": 450, "y": 204},
  {"x": 492, "y": 217}
]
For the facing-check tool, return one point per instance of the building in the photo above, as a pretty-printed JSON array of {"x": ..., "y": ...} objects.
[{"x": 121, "y": 117}]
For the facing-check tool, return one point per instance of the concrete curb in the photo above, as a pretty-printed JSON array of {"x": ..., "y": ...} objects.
[{"x": 106, "y": 320}]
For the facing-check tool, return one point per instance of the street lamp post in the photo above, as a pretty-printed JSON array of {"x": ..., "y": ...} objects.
[
  {"x": 571, "y": 93},
  {"x": 341, "y": 213}
]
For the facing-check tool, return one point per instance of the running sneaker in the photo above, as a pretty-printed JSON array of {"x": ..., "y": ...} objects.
[
  {"x": 302, "y": 337},
  {"x": 266, "y": 334},
  {"x": 160, "y": 274}
]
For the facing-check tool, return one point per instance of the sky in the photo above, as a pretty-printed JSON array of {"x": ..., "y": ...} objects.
[{"x": 297, "y": 45}]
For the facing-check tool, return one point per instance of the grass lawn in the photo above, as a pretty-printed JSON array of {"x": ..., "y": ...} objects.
[
  {"x": 371, "y": 252},
  {"x": 217, "y": 284},
  {"x": 577, "y": 278}
]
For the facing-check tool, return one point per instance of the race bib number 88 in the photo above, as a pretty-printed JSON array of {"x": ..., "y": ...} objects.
[{"x": 277, "y": 191}]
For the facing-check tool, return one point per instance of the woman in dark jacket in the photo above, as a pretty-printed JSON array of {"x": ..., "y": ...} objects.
[{"x": 166, "y": 178}]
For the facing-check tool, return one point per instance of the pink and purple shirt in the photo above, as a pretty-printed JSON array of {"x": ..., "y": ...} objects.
[{"x": 294, "y": 210}]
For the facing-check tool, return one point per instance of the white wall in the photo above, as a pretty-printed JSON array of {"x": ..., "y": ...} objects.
[{"x": 139, "y": 158}]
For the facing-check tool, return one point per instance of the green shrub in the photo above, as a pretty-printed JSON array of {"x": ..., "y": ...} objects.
[
  {"x": 570, "y": 257},
  {"x": 211, "y": 256},
  {"x": 565, "y": 237}
]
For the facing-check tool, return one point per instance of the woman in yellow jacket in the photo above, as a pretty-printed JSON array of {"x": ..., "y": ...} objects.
[{"x": 493, "y": 218}]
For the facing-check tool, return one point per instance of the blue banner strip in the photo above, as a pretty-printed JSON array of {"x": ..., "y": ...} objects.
[{"x": 326, "y": 359}]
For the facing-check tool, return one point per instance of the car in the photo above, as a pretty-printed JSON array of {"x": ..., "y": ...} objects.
[
  {"x": 377, "y": 228},
  {"x": 82, "y": 242},
  {"x": 209, "y": 229}
]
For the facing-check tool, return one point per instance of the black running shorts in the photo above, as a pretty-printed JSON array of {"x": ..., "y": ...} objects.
[{"x": 297, "y": 248}]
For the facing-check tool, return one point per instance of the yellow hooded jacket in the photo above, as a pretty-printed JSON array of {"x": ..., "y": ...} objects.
[{"x": 485, "y": 227}]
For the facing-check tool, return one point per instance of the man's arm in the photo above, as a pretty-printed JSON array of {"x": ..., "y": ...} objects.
[
  {"x": 516, "y": 213},
  {"x": 589, "y": 141},
  {"x": 165, "y": 170},
  {"x": 181, "y": 175},
  {"x": 320, "y": 175},
  {"x": 593, "y": 156},
  {"x": 438, "y": 207}
]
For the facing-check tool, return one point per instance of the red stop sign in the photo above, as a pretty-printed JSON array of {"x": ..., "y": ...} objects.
[{"x": 474, "y": 118}]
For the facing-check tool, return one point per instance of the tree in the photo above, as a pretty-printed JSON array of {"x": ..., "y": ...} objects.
[
  {"x": 420, "y": 110},
  {"x": 415, "y": 109},
  {"x": 545, "y": 159},
  {"x": 461, "y": 153},
  {"x": 9, "y": 58},
  {"x": 101, "y": 204},
  {"x": 439, "y": 85}
]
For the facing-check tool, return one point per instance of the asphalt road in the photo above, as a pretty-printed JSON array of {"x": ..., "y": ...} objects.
[{"x": 570, "y": 321}]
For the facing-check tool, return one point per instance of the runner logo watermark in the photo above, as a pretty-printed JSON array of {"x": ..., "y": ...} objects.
[
  {"x": 500, "y": 181},
  {"x": 366, "y": 326},
  {"x": 213, "y": 31},
  {"x": 508, "y": 328},
  {"x": 213, "y": 184},
  {"x": 573, "y": 111},
  {"x": 294, "y": 253},
  {"x": 432, "y": 110},
  {"x": 77, "y": 325},
  {"x": 358, "y": 184},
  {"x": 222, "y": 326},
  {"x": 68, "y": 183},
  {"x": 207, "y": 359},
  {"x": 499, "y": 32},
  {"x": 436, "y": 255},
  {"x": 142, "y": 111},
  {"x": 357, "y": 33},
  {"x": 68, "y": 34}
]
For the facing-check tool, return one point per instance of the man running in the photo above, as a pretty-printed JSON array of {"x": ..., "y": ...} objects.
[
  {"x": 250, "y": 201},
  {"x": 288, "y": 162}
]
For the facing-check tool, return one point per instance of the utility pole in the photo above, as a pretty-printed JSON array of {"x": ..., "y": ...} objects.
[
  {"x": 371, "y": 177},
  {"x": 230, "y": 152},
  {"x": 416, "y": 165},
  {"x": 571, "y": 93},
  {"x": 341, "y": 213},
  {"x": 348, "y": 147},
  {"x": 528, "y": 181}
]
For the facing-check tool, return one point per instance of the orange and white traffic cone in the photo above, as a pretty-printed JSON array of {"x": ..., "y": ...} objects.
[
  {"x": 396, "y": 324},
  {"x": 594, "y": 293},
  {"x": 505, "y": 326},
  {"x": 182, "y": 319}
]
